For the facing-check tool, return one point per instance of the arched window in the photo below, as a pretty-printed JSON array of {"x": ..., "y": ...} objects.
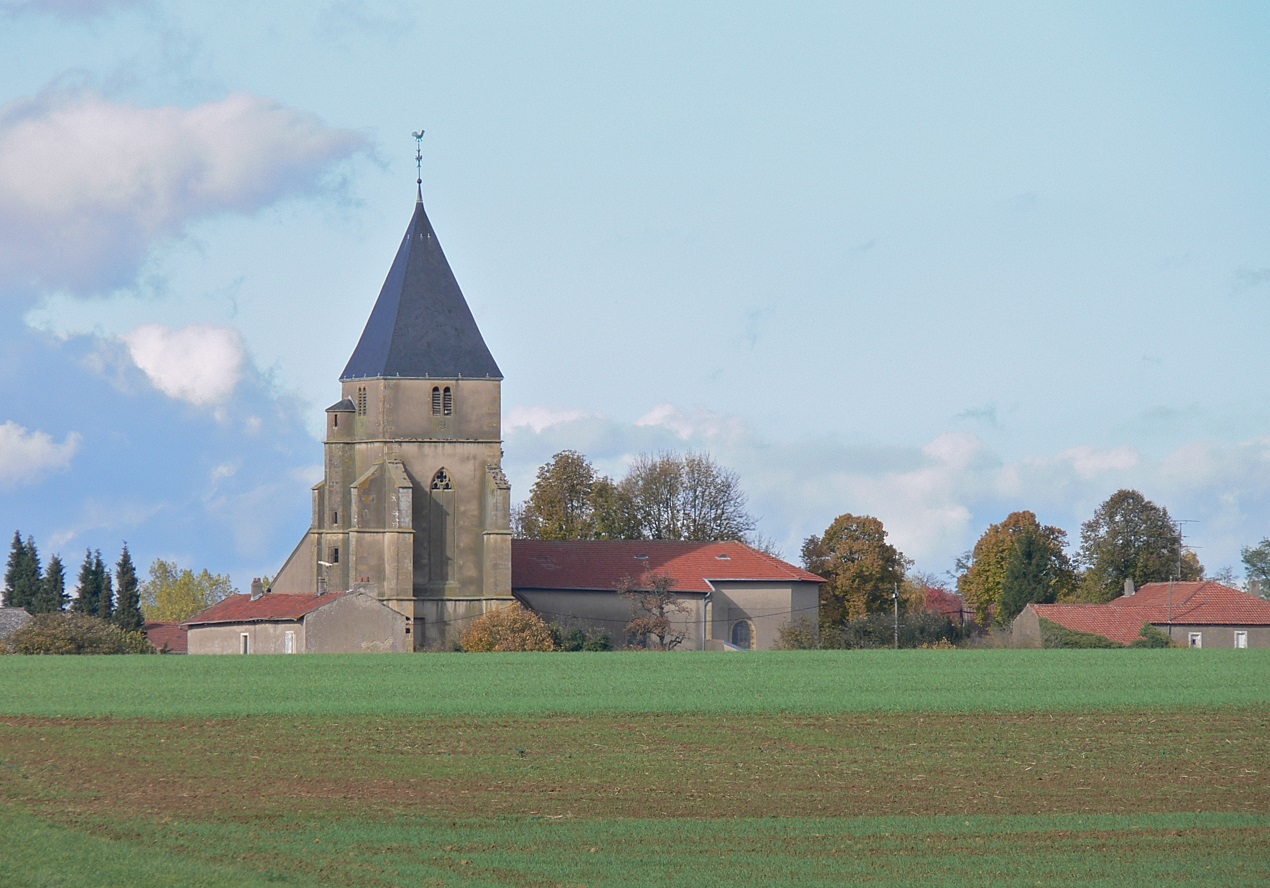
[
  {"x": 361, "y": 400},
  {"x": 448, "y": 401},
  {"x": 441, "y": 481},
  {"x": 743, "y": 635},
  {"x": 436, "y": 400}
]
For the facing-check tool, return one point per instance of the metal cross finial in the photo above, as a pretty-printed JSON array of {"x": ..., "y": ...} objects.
[{"x": 419, "y": 157}]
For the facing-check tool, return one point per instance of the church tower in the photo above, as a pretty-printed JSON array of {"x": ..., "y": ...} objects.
[{"x": 414, "y": 507}]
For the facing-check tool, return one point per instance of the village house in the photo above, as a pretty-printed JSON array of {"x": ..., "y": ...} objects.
[{"x": 1195, "y": 614}]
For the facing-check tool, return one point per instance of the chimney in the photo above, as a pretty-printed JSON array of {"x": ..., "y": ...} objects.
[
  {"x": 257, "y": 588},
  {"x": 1128, "y": 586}
]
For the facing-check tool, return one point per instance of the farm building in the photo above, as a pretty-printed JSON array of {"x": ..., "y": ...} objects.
[
  {"x": 1196, "y": 614},
  {"x": 332, "y": 623},
  {"x": 735, "y": 596}
]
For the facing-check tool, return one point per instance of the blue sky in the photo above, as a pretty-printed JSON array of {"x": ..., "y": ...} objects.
[{"x": 929, "y": 263}]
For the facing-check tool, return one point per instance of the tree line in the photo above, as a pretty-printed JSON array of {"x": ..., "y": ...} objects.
[
  {"x": 1015, "y": 562},
  {"x": 171, "y": 594}
]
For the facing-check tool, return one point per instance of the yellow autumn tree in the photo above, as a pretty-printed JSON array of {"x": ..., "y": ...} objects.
[
  {"x": 860, "y": 567},
  {"x": 511, "y": 628},
  {"x": 983, "y": 579}
]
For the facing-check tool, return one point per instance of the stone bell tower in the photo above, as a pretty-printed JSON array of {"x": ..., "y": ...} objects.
[{"x": 414, "y": 507}]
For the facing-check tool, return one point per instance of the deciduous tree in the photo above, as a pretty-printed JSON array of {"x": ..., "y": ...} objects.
[
  {"x": 982, "y": 580},
  {"x": 173, "y": 594},
  {"x": 1257, "y": 564},
  {"x": 1130, "y": 537},
  {"x": 685, "y": 497},
  {"x": 561, "y": 504},
  {"x": 654, "y": 606},
  {"x": 861, "y": 568}
]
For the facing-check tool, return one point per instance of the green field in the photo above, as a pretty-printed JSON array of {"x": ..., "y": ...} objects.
[{"x": 800, "y": 768}]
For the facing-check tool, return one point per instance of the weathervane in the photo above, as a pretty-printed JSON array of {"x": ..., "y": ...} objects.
[{"x": 419, "y": 157}]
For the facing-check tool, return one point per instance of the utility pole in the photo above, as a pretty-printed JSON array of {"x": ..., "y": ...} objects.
[{"x": 895, "y": 597}]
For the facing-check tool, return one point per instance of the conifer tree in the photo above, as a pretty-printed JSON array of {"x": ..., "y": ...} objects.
[
  {"x": 128, "y": 607},
  {"x": 105, "y": 590},
  {"x": 17, "y": 556},
  {"x": 89, "y": 588},
  {"x": 52, "y": 595},
  {"x": 22, "y": 577}
]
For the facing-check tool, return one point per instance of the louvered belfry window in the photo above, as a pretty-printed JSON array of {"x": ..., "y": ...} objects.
[
  {"x": 447, "y": 402},
  {"x": 361, "y": 400},
  {"x": 436, "y": 400}
]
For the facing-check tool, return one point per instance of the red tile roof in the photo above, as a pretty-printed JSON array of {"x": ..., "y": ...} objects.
[
  {"x": 602, "y": 564},
  {"x": 270, "y": 607},
  {"x": 1190, "y": 604},
  {"x": 169, "y": 637}
]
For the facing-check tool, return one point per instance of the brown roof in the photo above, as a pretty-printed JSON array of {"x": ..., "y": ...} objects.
[
  {"x": 603, "y": 564},
  {"x": 170, "y": 637},
  {"x": 267, "y": 608},
  {"x": 1192, "y": 604}
]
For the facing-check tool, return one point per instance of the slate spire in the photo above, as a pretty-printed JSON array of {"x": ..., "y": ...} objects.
[{"x": 421, "y": 325}]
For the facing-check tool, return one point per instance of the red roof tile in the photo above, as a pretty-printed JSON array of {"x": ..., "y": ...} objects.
[
  {"x": 241, "y": 608},
  {"x": 602, "y": 564},
  {"x": 170, "y": 637},
  {"x": 1193, "y": 604}
]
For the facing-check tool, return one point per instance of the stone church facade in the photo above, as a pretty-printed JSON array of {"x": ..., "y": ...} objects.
[{"x": 413, "y": 508}]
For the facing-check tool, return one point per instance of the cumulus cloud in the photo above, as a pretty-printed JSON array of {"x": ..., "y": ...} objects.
[
  {"x": 687, "y": 424},
  {"x": 26, "y": 456},
  {"x": 200, "y": 364},
  {"x": 87, "y": 184}
]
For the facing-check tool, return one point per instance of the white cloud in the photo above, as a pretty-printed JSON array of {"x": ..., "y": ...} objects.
[
  {"x": 87, "y": 183},
  {"x": 539, "y": 418},
  {"x": 200, "y": 364},
  {"x": 25, "y": 455},
  {"x": 688, "y": 424}
]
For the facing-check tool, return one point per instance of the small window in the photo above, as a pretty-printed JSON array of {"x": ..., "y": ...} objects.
[
  {"x": 288, "y": 642},
  {"x": 336, "y": 418},
  {"x": 743, "y": 635},
  {"x": 1196, "y": 639},
  {"x": 361, "y": 400},
  {"x": 335, "y": 555},
  {"x": 335, "y": 517},
  {"x": 447, "y": 401},
  {"x": 245, "y": 642},
  {"x": 1241, "y": 638},
  {"x": 436, "y": 400}
]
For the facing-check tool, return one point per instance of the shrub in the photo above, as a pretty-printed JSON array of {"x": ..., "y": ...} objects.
[
  {"x": 1151, "y": 638},
  {"x": 578, "y": 639},
  {"x": 798, "y": 635},
  {"x": 74, "y": 633},
  {"x": 1056, "y": 636},
  {"x": 878, "y": 631},
  {"x": 510, "y": 628}
]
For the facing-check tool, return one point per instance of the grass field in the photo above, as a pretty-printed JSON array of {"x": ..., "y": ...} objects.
[{"x": 803, "y": 768}]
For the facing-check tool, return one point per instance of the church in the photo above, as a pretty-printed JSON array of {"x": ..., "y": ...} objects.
[{"x": 410, "y": 537}]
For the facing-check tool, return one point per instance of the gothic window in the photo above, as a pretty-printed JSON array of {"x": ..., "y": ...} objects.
[
  {"x": 436, "y": 400},
  {"x": 447, "y": 401},
  {"x": 743, "y": 635},
  {"x": 361, "y": 400},
  {"x": 441, "y": 481}
]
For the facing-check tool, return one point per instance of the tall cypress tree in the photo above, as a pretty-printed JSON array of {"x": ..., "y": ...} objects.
[
  {"x": 1029, "y": 576},
  {"x": 52, "y": 595},
  {"x": 105, "y": 590},
  {"x": 89, "y": 588},
  {"x": 128, "y": 607}
]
